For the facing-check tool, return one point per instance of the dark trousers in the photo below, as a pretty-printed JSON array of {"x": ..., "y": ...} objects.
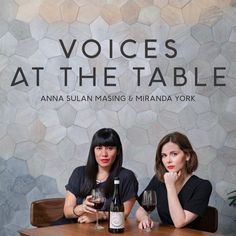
[{"x": 63, "y": 220}]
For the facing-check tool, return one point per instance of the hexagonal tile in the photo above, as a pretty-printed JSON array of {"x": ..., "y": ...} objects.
[
  {"x": 24, "y": 150},
  {"x": 69, "y": 11},
  {"x": 231, "y": 140},
  {"x": 66, "y": 149},
  {"x": 88, "y": 13},
  {"x": 130, "y": 12},
  {"x": 18, "y": 132},
  {"x": 26, "y": 12},
  {"x": 85, "y": 118},
  {"x": 17, "y": 167},
  {"x": 206, "y": 155},
  {"x": 19, "y": 30},
  {"x": 50, "y": 48},
  {"x": 38, "y": 28},
  {"x": 55, "y": 134},
  {"x": 36, "y": 131},
  {"x": 199, "y": 138},
  {"x": 107, "y": 118},
  {"x": 126, "y": 116},
  {"x": 210, "y": 15},
  {"x": 191, "y": 13},
  {"x": 137, "y": 136},
  {"x": 202, "y": 33},
  {"x": 77, "y": 135},
  {"x": 217, "y": 136},
  {"x": 50, "y": 11},
  {"x": 187, "y": 118},
  {"x": 66, "y": 115},
  {"x": 149, "y": 15},
  {"x": 221, "y": 31},
  {"x": 8, "y": 44},
  {"x": 36, "y": 165},
  {"x": 99, "y": 29},
  {"x": 169, "y": 120},
  {"x": 8, "y": 10},
  {"x": 172, "y": 15},
  {"x": 57, "y": 30}
]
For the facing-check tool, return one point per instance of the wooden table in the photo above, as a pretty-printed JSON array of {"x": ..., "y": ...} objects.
[{"x": 131, "y": 229}]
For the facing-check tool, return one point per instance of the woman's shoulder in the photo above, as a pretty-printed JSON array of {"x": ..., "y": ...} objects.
[
  {"x": 79, "y": 170},
  {"x": 201, "y": 182},
  {"x": 126, "y": 173}
]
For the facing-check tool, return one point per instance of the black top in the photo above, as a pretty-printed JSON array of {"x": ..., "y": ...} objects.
[
  {"x": 128, "y": 185},
  {"x": 194, "y": 197}
]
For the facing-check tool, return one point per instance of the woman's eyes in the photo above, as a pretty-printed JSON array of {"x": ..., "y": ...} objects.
[
  {"x": 172, "y": 154},
  {"x": 106, "y": 147}
]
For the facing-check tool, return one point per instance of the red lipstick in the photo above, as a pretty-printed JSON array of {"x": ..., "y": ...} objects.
[
  {"x": 170, "y": 167},
  {"x": 105, "y": 160}
]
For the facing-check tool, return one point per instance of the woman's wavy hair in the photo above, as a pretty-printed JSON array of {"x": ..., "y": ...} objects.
[
  {"x": 184, "y": 144},
  {"x": 103, "y": 137}
]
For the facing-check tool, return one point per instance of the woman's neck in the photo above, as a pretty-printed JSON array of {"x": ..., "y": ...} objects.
[
  {"x": 182, "y": 180},
  {"x": 102, "y": 174}
]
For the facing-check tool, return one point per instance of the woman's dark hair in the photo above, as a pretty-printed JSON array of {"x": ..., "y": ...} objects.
[
  {"x": 184, "y": 144},
  {"x": 103, "y": 137}
]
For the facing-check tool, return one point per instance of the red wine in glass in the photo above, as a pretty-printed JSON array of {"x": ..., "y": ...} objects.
[
  {"x": 98, "y": 198},
  {"x": 98, "y": 205},
  {"x": 148, "y": 208},
  {"x": 149, "y": 202}
]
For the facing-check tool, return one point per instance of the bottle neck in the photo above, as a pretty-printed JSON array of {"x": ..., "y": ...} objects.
[{"x": 116, "y": 189}]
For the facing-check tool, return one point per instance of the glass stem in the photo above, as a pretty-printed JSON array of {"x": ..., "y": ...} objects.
[
  {"x": 97, "y": 219},
  {"x": 148, "y": 229}
]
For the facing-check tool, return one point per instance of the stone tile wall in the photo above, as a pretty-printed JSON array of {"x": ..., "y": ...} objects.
[{"x": 41, "y": 142}]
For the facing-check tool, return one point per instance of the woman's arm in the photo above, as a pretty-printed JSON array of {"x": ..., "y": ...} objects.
[
  {"x": 103, "y": 215},
  {"x": 142, "y": 217},
  {"x": 179, "y": 216},
  {"x": 128, "y": 206},
  {"x": 71, "y": 210}
]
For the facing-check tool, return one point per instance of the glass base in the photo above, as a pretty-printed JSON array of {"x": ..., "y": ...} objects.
[
  {"x": 98, "y": 227},
  {"x": 148, "y": 229}
]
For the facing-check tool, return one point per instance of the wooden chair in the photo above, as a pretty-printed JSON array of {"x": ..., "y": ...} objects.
[
  {"x": 209, "y": 222},
  {"x": 44, "y": 212}
]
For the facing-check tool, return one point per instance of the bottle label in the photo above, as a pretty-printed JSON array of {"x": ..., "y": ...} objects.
[{"x": 116, "y": 220}]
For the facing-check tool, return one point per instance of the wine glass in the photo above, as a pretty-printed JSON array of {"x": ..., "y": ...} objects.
[
  {"x": 98, "y": 199},
  {"x": 149, "y": 202}
]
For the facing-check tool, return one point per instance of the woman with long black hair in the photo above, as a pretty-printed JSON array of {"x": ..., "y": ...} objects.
[{"x": 103, "y": 165}]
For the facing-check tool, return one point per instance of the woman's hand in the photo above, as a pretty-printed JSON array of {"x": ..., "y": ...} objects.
[
  {"x": 87, "y": 218},
  {"x": 87, "y": 206},
  {"x": 146, "y": 222},
  {"x": 170, "y": 178}
]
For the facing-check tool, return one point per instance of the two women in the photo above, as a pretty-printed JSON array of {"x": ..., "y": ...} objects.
[{"x": 181, "y": 196}]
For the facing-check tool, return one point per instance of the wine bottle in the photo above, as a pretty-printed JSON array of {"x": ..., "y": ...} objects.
[{"x": 116, "y": 214}]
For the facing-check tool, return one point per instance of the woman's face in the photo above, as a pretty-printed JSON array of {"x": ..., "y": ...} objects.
[
  {"x": 105, "y": 155},
  {"x": 173, "y": 158}
]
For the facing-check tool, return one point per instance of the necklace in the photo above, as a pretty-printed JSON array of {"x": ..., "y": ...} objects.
[{"x": 98, "y": 181}]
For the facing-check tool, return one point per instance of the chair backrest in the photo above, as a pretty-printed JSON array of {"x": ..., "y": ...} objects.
[
  {"x": 209, "y": 222},
  {"x": 45, "y": 211}
]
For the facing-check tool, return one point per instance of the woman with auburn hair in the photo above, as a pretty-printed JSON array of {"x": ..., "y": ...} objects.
[{"x": 181, "y": 196}]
